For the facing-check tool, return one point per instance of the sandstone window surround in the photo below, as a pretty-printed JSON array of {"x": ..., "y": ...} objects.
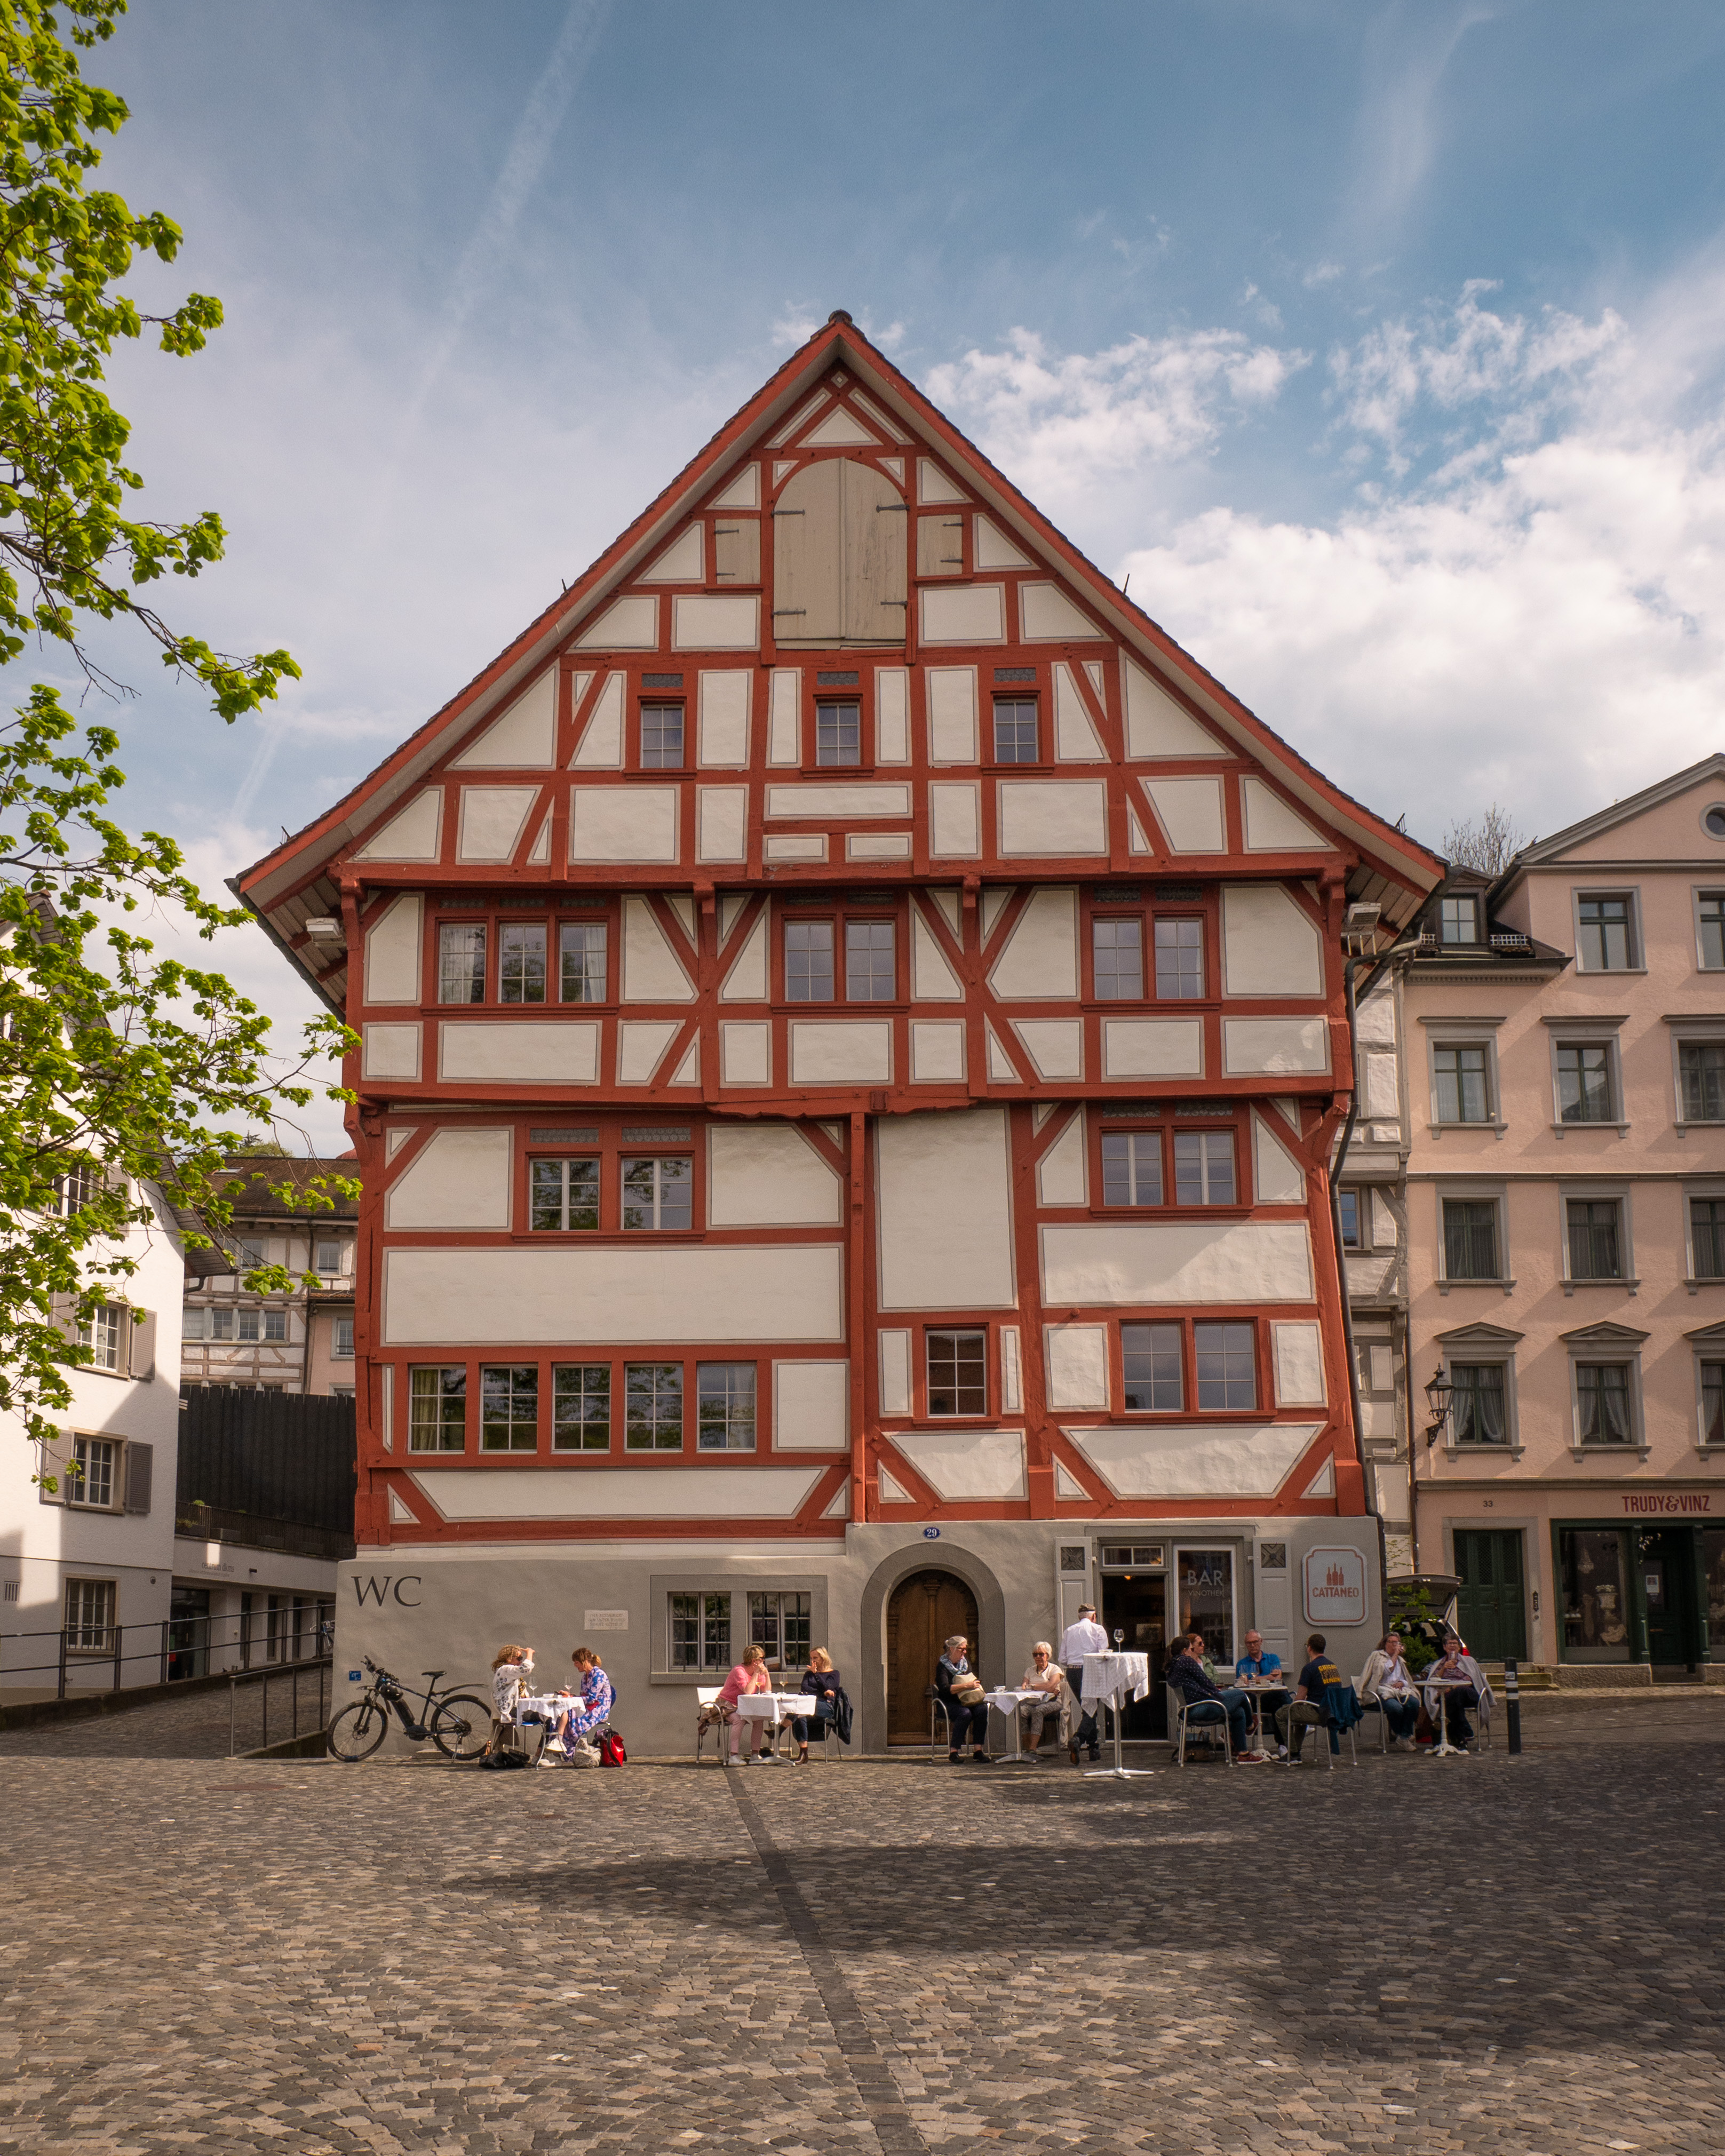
[
  {"x": 1463, "y": 1225},
  {"x": 1595, "y": 1230},
  {"x": 1472, "y": 1354},
  {"x": 1607, "y": 1412},
  {"x": 1586, "y": 1073},
  {"x": 1707, "y": 1343},
  {"x": 1697, "y": 1067},
  {"x": 1462, "y": 1062}
]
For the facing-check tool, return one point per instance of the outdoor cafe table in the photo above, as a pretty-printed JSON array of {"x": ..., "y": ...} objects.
[
  {"x": 776, "y": 1708},
  {"x": 1009, "y": 1701},
  {"x": 1258, "y": 1690},
  {"x": 1443, "y": 1749},
  {"x": 1107, "y": 1680}
]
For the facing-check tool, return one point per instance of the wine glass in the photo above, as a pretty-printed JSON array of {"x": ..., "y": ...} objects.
[{"x": 1119, "y": 1637}]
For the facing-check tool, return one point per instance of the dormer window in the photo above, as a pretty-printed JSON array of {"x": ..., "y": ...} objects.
[{"x": 1459, "y": 919}]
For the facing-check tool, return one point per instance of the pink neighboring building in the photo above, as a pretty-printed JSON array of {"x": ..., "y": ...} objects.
[{"x": 1564, "y": 1033}]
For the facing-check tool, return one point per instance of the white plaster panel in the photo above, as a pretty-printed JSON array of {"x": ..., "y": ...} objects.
[
  {"x": 1012, "y": 1371},
  {"x": 747, "y": 981},
  {"x": 895, "y": 1371},
  {"x": 892, "y": 715},
  {"x": 1383, "y": 1227},
  {"x": 951, "y": 693},
  {"x": 641, "y": 1046},
  {"x": 1382, "y": 1096},
  {"x": 413, "y": 834},
  {"x": 1299, "y": 1365},
  {"x": 722, "y": 817},
  {"x": 1060, "y": 817},
  {"x": 746, "y": 1053},
  {"x": 575, "y": 1295},
  {"x": 391, "y": 1051},
  {"x": 628, "y": 625},
  {"x": 767, "y": 1175},
  {"x": 996, "y": 898},
  {"x": 491, "y": 822},
  {"x": 838, "y": 804},
  {"x": 1277, "y": 1178},
  {"x": 1062, "y": 1172},
  {"x": 1270, "y": 825},
  {"x": 944, "y": 1211},
  {"x": 580, "y": 1491},
  {"x": 1375, "y": 1021},
  {"x": 892, "y": 1490},
  {"x": 520, "y": 1051},
  {"x": 1055, "y": 1045},
  {"x": 794, "y": 846},
  {"x": 1050, "y": 617},
  {"x": 1157, "y": 726},
  {"x": 1177, "y": 1261},
  {"x": 688, "y": 1071},
  {"x": 722, "y": 740},
  {"x": 1273, "y": 1046},
  {"x": 1152, "y": 1048},
  {"x": 1194, "y": 1460},
  {"x": 841, "y": 1052},
  {"x": 933, "y": 483},
  {"x": 838, "y": 1506},
  {"x": 652, "y": 971},
  {"x": 623, "y": 823},
  {"x": 1077, "y": 1365},
  {"x": 878, "y": 846},
  {"x": 524, "y": 737},
  {"x": 600, "y": 747},
  {"x": 741, "y": 492},
  {"x": 1190, "y": 813},
  {"x": 811, "y": 1407},
  {"x": 1076, "y": 740},
  {"x": 538, "y": 854},
  {"x": 393, "y": 952},
  {"x": 784, "y": 699},
  {"x": 977, "y": 1465},
  {"x": 1002, "y": 1069},
  {"x": 682, "y": 562},
  {"x": 994, "y": 550},
  {"x": 964, "y": 613},
  {"x": 1269, "y": 946},
  {"x": 460, "y": 1178},
  {"x": 396, "y": 1140},
  {"x": 947, "y": 899},
  {"x": 937, "y": 1053},
  {"x": 1040, "y": 959},
  {"x": 954, "y": 821},
  {"x": 728, "y": 621},
  {"x": 840, "y": 429},
  {"x": 1137, "y": 841},
  {"x": 933, "y": 980}
]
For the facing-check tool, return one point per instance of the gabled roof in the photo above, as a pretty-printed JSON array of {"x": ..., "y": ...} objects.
[
  {"x": 1607, "y": 819},
  {"x": 296, "y": 866}
]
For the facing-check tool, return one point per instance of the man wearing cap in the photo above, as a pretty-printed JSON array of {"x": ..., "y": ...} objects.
[{"x": 1086, "y": 1637}]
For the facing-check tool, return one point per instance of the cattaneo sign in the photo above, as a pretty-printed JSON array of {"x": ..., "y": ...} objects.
[{"x": 1335, "y": 1587}]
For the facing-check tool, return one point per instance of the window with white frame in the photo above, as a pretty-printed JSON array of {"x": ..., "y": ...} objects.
[
  {"x": 1203, "y": 1167},
  {"x": 1606, "y": 941},
  {"x": 520, "y": 962},
  {"x": 1710, "y": 930},
  {"x": 1132, "y": 1167},
  {"x": 89, "y": 1615},
  {"x": 248, "y": 1253},
  {"x": 1604, "y": 1402},
  {"x": 653, "y": 1407},
  {"x": 725, "y": 1407},
  {"x": 341, "y": 1340},
  {"x": 250, "y": 1324},
  {"x": 838, "y": 734},
  {"x": 93, "y": 1474},
  {"x": 1594, "y": 1230},
  {"x": 76, "y": 1189},
  {"x": 1701, "y": 1081},
  {"x": 1118, "y": 950},
  {"x": 1461, "y": 1080},
  {"x": 461, "y": 961},
  {"x": 275, "y": 1324},
  {"x": 870, "y": 967},
  {"x": 581, "y": 956},
  {"x": 1150, "y": 1367},
  {"x": 657, "y": 1192},
  {"x": 221, "y": 1321},
  {"x": 509, "y": 1407},
  {"x": 581, "y": 1407},
  {"x": 1459, "y": 919},
  {"x": 104, "y": 1333},
  {"x": 1587, "y": 1089},
  {"x": 564, "y": 1194},
  {"x": 661, "y": 736},
  {"x": 327, "y": 1257},
  {"x": 1179, "y": 959},
  {"x": 437, "y": 1408},
  {"x": 957, "y": 1370},
  {"x": 1227, "y": 1366},
  {"x": 1471, "y": 1240}
]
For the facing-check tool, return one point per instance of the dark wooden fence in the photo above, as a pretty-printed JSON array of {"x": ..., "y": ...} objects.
[{"x": 276, "y": 1470}]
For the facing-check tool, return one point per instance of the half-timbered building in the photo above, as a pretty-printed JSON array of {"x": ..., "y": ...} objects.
[{"x": 853, "y": 1038}]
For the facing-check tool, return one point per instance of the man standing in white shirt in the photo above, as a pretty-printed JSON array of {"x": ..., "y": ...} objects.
[{"x": 1086, "y": 1637}]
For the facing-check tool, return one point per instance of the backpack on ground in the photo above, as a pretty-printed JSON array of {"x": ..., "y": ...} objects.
[{"x": 612, "y": 1750}]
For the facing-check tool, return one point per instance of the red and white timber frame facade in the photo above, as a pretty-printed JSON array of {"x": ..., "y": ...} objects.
[{"x": 853, "y": 1036}]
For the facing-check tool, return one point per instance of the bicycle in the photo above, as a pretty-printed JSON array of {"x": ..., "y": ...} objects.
[{"x": 459, "y": 1724}]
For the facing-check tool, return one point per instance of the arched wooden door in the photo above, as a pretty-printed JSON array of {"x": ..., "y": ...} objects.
[{"x": 925, "y": 1611}]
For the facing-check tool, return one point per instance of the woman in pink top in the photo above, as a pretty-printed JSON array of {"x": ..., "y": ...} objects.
[{"x": 751, "y": 1676}]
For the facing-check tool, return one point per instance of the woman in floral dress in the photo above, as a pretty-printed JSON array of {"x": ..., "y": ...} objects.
[{"x": 591, "y": 1709}]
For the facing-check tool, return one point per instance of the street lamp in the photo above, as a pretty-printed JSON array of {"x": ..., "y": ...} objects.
[{"x": 1437, "y": 1399}]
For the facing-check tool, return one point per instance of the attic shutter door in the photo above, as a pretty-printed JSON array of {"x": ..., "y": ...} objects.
[
  {"x": 140, "y": 1472},
  {"x": 737, "y": 551},
  {"x": 940, "y": 546},
  {"x": 875, "y": 518},
  {"x": 806, "y": 555}
]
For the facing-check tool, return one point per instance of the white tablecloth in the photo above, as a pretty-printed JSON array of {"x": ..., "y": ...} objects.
[
  {"x": 774, "y": 1706},
  {"x": 1108, "y": 1678},
  {"x": 1008, "y": 1700}
]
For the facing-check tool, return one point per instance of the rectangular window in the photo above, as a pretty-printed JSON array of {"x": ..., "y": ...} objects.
[
  {"x": 248, "y": 1326},
  {"x": 91, "y": 1481},
  {"x": 1700, "y": 1067},
  {"x": 1706, "y": 1234},
  {"x": 581, "y": 956},
  {"x": 1132, "y": 1167},
  {"x": 1179, "y": 959},
  {"x": 520, "y": 962},
  {"x": 1203, "y": 1167},
  {"x": 1015, "y": 730},
  {"x": 194, "y": 1321},
  {"x": 958, "y": 1373},
  {"x": 1459, "y": 919},
  {"x": 1151, "y": 1357},
  {"x": 1595, "y": 1239},
  {"x": 724, "y": 1407},
  {"x": 1584, "y": 1082},
  {"x": 581, "y": 1407},
  {"x": 461, "y": 961},
  {"x": 1471, "y": 1238},
  {"x": 1712, "y": 1403},
  {"x": 437, "y": 1409},
  {"x": 699, "y": 1632},
  {"x": 564, "y": 1193},
  {"x": 89, "y": 1615},
  {"x": 779, "y": 1624},
  {"x": 76, "y": 1189},
  {"x": 869, "y": 974},
  {"x": 1118, "y": 948},
  {"x": 1227, "y": 1366},
  {"x": 657, "y": 1192},
  {"x": 341, "y": 1340},
  {"x": 275, "y": 1324},
  {"x": 221, "y": 1323},
  {"x": 838, "y": 733},
  {"x": 809, "y": 961},
  {"x": 1596, "y": 1603},
  {"x": 1476, "y": 1404},
  {"x": 104, "y": 1333},
  {"x": 653, "y": 1407},
  {"x": 509, "y": 1407},
  {"x": 1605, "y": 932},
  {"x": 1348, "y": 1201},
  {"x": 1711, "y": 905},
  {"x": 661, "y": 736},
  {"x": 1463, "y": 1096},
  {"x": 247, "y": 1253},
  {"x": 328, "y": 1258},
  {"x": 1602, "y": 1399}
]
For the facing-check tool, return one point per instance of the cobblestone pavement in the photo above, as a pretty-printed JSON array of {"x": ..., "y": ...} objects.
[
  {"x": 196, "y": 1725},
  {"x": 1487, "y": 1955}
]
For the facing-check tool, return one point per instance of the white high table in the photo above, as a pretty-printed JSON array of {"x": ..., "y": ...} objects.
[
  {"x": 776, "y": 1708},
  {"x": 1107, "y": 1680}
]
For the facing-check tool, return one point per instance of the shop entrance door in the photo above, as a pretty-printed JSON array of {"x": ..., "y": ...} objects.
[
  {"x": 1666, "y": 1561},
  {"x": 1136, "y": 1603},
  {"x": 923, "y": 1613},
  {"x": 1489, "y": 1606}
]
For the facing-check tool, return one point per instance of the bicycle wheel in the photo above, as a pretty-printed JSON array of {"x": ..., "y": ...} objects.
[
  {"x": 357, "y": 1731},
  {"x": 462, "y": 1727}
]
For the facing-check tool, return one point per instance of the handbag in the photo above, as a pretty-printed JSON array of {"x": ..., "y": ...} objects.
[{"x": 967, "y": 1689}]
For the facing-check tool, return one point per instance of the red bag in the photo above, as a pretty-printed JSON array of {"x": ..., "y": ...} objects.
[{"x": 611, "y": 1752}]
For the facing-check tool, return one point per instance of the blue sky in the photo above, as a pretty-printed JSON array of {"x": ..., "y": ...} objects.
[{"x": 1380, "y": 344}]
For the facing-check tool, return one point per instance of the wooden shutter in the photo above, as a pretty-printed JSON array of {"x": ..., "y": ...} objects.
[
  {"x": 737, "y": 551},
  {"x": 875, "y": 545},
  {"x": 46, "y": 1465},
  {"x": 940, "y": 546},
  {"x": 140, "y": 1345},
  {"x": 806, "y": 550},
  {"x": 140, "y": 1473}
]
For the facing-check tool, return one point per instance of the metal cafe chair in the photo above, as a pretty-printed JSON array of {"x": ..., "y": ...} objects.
[
  {"x": 708, "y": 1721},
  {"x": 1375, "y": 1707},
  {"x": 1202, "y": 1714}
]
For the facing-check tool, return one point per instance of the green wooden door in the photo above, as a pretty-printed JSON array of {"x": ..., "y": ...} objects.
[{"x": 1489, "y": 1607}]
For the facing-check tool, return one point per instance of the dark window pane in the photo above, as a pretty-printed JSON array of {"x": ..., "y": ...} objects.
[
  {"x": 1015, "y": 730},
  {"x": 1179, "y": 958},
  {"x": 1227, "y": 1375},
  {"x": 653, "y": 1407},
  {"x": 1118, "y": 948},
  {"x": 1203, "y": 1167},
  {"x": 1707, "y": 1229},
  {"x": 658, "y": 1191},
  {"x": 1713, "y": 928},
  {"x": 1602, "y": 1396},
  {"x": 1476, "y": 1404},
  {"x": 1132, "y": 1167},
  {"x": 581, "y": 947},
  {"x": 1584, "y": 1082},
  {"x": 461, "y": 962},
  {"x": 1712, "y": 1403},
  {"x": 509, "y": 1407},
  {"x": 520, "y": 962},
  {"x": 870, "y": 977},
  {"x": 1150, "y": 1355},
  {"x": 661, "y": 736},
  {"x": 838, "y": 733},
  {"x": 581, "y": 1407},
  {"x": 437, "y": 1409},
  {"x": 809, "y": 961},
  {"x": 1605, "y": 934},
  {"x": 1462, "y": 1094},
  {"x": 1594, "y": 1249},
  {"x": 958, "y": 1374},
  {"x": 725, "y": 1407},
  {"x": 1348, "y": 1200},
  {"x": 1701, "y": 1067},
  {"x": 1469, "y": 1239},
  {"x": 564, "y": 1193}
]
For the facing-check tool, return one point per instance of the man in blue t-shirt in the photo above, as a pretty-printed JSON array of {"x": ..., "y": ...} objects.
[
  {"x": 1257, "y": 1661},
  {"x": 1306, "y": 1709}
]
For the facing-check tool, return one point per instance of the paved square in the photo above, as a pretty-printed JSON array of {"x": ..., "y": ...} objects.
[{"x": 1491, "y": 1954}]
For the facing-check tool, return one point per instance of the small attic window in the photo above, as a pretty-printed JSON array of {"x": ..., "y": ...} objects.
[
  {"x": 1459, "y": 920},
  {"x": 1712, "y": 820}
]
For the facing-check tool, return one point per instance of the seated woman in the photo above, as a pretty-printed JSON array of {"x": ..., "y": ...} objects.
[
  {"x": 589, "y": 1709},
  {"x": 821, "y": 1680},
  {"x": 1046, "y": 1676},
  {"x": 1388, "y": 1679},
  {"x": 1467, "y": 1688},
  {"x": 750, "y": 1676},
  {"x": 511, "y": 1666},
  {"x": 959, "y": 1691}
]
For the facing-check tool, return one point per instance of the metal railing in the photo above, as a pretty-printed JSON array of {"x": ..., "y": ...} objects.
[
  {"x": 292, "y": 1674},
  {"x": 295, "y": 1632}
]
